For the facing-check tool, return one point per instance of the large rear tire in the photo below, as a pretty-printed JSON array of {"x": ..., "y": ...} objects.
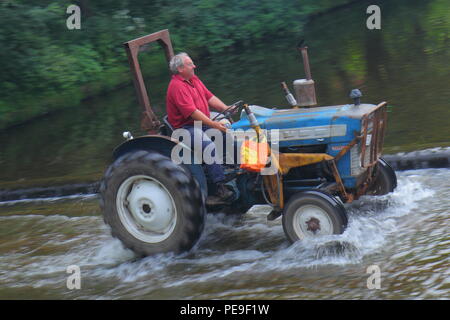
[
  {"x": 384, "y": 181},
  {"x": 151, "y": 204},
  {"x": 312, "y": 214}
]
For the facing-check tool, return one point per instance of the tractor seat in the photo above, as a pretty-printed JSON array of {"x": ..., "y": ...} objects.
[{"x": 169, "y": 128}]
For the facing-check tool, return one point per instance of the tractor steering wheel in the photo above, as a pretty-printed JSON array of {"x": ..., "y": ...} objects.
[{"x": 232, "y": 109}]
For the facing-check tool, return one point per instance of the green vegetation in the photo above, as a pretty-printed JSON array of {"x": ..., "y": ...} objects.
[{"x": 46, "y": 67}]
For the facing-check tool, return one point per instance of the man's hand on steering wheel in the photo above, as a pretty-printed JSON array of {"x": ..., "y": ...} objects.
[{"x": 231, "y": 110}]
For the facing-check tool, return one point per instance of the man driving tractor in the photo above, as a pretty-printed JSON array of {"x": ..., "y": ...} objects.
[{"x": 188, "y": 100}]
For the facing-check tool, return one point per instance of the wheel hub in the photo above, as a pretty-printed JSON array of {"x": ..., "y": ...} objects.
[
  {"x": 150, "y": 205},
  {"x": 311, "y": 220},
  {"x": 313, "y": 225},
  {"x": 146, "y": 208}
]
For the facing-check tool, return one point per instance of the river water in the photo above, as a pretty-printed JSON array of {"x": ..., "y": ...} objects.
[{"x": 406, "y": 233}]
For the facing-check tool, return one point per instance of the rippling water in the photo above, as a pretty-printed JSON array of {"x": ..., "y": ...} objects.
[{"x": 405, "y": 233}]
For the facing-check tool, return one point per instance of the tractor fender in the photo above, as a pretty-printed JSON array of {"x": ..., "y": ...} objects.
[{"x": 163, "y": 145}]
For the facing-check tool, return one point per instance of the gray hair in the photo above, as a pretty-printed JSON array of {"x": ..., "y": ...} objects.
[{"x": 177, "y": 62}]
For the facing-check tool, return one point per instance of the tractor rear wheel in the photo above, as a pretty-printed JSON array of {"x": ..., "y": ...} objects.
[
  {"x": 151, "y": 204},
  {"x": 384, "y": 181},
  {"x": 313, "y": 213}
]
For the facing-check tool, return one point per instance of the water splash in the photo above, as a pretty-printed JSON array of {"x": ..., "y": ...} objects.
[{"x": 231, "y": 248}]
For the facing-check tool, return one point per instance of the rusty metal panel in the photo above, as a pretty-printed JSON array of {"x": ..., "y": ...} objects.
[
  {"x": 347, "y": 147},
  {"x": 293, "y": 160},
  {"x": 304, "y": 88},
  {"x": 274, "y": 186},
  {"x": 348, "y": 197},
  {"x": 373, "y": 130},
  {"x": 150, "y": 123}
]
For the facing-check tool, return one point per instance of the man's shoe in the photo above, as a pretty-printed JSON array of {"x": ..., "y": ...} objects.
[
  {"x": 222, "y": 195},
  {"x": 223, "y": 192}
]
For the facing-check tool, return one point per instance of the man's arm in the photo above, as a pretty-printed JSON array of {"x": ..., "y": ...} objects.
[
  {"x": 200, "y": 116},
  {"x": 217, "y": 104}
]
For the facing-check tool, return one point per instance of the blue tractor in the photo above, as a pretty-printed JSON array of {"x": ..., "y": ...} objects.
[{"x": 319, "y": 159}]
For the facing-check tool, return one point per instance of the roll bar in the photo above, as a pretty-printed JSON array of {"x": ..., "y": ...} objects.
[{"x": 150, "y": 122}]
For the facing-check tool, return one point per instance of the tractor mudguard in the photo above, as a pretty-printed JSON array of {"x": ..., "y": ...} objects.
[{"x": 163, "y": 145}]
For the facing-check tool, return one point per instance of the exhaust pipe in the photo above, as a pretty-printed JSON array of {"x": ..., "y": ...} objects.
[{"x": 304, "y": 88}]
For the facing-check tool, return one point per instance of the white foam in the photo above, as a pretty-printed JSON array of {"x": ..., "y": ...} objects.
[{"x": 367, "y": 233}]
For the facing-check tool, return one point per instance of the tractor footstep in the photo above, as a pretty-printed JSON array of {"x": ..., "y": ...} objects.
[
  {"x": 273, "y": 215},
  {"x": 336, "y": 248}
]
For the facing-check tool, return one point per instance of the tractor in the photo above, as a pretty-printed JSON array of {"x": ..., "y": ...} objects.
[{"x": 320, "y": 158}]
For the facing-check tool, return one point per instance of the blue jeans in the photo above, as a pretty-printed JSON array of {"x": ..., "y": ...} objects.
[{"x": 214, "y": 170}]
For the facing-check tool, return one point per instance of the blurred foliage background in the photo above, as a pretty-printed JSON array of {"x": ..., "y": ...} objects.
[{"x": 44, "y": 66}]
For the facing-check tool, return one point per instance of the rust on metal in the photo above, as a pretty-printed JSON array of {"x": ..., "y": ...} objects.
[
  {"x": 347, "y": 196},
  {"x": 274, "y": 186},
  {"x": 150, "y": 123},
  {"x": 313, "y": 225},
  {"x": 292, "y": 160},
  {"x": 304, "y": 88},
  {"x": 365, "y": 185},
  {"x": 364, "y": 126},
  {"x": 347, "y": 148},
  {"x": 304, "y": 53},
  {"x": 378, "y": 120}
]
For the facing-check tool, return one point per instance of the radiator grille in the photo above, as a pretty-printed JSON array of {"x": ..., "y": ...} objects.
[{"x": 373, "y": 130}]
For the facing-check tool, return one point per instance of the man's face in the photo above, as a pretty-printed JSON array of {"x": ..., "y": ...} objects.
[{"x": 187, "y": 70}]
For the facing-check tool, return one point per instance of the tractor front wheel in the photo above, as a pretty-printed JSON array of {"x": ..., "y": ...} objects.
[
  {"x": 312, "y": 214},
  {"x": 384, "y": 181}
]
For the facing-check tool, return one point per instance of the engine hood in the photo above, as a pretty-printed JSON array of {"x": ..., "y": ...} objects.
[{"x": 310, "y": 125}]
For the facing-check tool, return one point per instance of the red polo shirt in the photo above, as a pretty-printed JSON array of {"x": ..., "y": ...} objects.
[{"x": 183, "y": 98}]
